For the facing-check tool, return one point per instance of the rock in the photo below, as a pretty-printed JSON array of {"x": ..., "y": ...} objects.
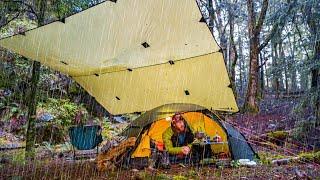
[
  {"x": 280, "y": 161},
  {"x": 134, "y": 170},
  {"x": 301, "y": 174},
  {"x": 118, "y": 119},
  {"x": 271, "y": 126},
  {"x": 46, "y": 117},
  {"x": 247, "y": 162}
]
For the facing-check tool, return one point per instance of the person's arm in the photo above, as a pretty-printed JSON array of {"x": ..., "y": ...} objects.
[{"x": 166, "y": 136}]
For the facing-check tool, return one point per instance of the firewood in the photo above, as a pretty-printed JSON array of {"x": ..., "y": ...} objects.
[{"x": 106, "y": 160}]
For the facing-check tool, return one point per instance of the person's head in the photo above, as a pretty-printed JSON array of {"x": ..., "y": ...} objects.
[{"x": 178, "y": 123}]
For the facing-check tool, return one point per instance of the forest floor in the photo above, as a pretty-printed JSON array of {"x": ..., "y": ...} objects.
[
  {"x": 87, "y": 170},
  {"x": 275, "y": 115}
]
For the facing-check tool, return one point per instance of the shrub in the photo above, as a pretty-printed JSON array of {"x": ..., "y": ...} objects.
[
  {"x": 65, "y": 112},
  {"x": 302, "y": 130}
]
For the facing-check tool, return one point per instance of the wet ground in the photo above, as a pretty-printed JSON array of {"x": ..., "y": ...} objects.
[{"x": 87, "y": 170}]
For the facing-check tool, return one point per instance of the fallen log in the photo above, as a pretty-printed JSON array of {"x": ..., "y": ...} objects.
[
  {"x": 107, "y": 160},
  {"x": 284, "y": 160}
]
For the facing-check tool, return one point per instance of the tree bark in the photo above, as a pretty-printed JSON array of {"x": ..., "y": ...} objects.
[
  {"x": 241, "y": 66},
  {"x": 232, "y": 51},
  {"x": 275, "y": 75},
  {"x": 315, "y": 82},
  {"x": 32, "y": 97},
  {"x": 216, "y": 17},
  {"x": 261, "y": 75},
  {"x": 292, "y": 69},
  {"x": 32, "y": 105},
  {"x": 251, "y": 104},
  {"x": 314, "y": 23},
  {"x": 285, "y": 65}
]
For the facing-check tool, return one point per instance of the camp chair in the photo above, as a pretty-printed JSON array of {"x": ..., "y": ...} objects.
[{"x": 85, "y": 137}]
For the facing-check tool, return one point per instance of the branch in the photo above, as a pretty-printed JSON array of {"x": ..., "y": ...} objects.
[
  {"x": 299, "y": 33},
  {"x": 8, "y": 21},
  {"x": 23, "y": 3},
  {"x": 263, "y": 64},
  {"x": 269, "y": 36},
  {"x": 275, "y": 27},
  {"x": 225, "y": 27},
  {"x": 262, "y": 16},
  {"x": 252, "y": 17}
]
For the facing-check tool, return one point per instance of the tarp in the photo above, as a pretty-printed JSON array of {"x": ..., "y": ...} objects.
[{"x": 134, "y": 55}]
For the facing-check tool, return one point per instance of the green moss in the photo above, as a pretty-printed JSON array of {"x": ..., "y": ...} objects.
[
  {"x": 280, "y": 135},
  {"x": 266, "y": 157},
  {"x": 3, "y": 141},
  {"x": 16, "y": 157},
  {"x": 179, "y": 177},
  {"x": 192, "y": 174},
  {"x": 250, "y": 109},
  {"x": 162, "y": 176},
  {"x": 310, "y": 157}
]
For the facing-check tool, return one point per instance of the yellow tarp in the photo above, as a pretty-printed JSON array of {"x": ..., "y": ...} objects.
[
  {"x": 197, "y": 122},
  {"x": 145, "y": 88},
  {"x": 98, "y": 45}
]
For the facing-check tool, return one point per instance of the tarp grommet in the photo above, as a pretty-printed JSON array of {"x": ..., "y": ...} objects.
[
  {"x": 171, "y": 62},
  {"x": 62, "y": 20},
  {"x": 22, "y": 33},
  {"x": 64, "y": 63},
  {"x": 145, "y": 45},
  {"x": 202, "y": 20}
]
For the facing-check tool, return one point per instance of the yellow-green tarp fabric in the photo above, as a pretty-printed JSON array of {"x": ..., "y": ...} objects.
[{"x": 120, "y": 53}]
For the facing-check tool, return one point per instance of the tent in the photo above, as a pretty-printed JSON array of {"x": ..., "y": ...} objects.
[
  {"x": 152, "y": 124},
  {"x": 135, "y": 55}
]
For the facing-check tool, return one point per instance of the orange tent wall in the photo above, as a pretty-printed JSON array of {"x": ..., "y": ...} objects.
[{"x": 197, "y": 122}]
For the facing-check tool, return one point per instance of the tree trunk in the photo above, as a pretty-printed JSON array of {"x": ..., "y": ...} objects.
[
  {"x": 211, "y": 17},
  {"x": 275, "y": 74},
  {"x": 315, "y": 82},
  {"x": 251, "y": 103},
  {"x": 233, "y": 54},
  {"x": 32, "y": 105},
  {"x": 254, "y": 27},
  {"x": 285, "y": 65},
  {"x": 216, "y": 16},
  {"x": 261, "y": 75},
  {"x": 32, "y": 97},
  {"x": 314, "y": 23},
  {"x": 241, "y": 66},
  {"x": 267, "y": 78},
  {"x": 291, "y": 67}
]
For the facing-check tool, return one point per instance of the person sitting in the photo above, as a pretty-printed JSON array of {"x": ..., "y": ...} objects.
[{"x": 178, "y": 140}]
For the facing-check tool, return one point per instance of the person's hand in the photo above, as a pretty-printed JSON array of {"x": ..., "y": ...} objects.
[{"x": 185, "y": 150}]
